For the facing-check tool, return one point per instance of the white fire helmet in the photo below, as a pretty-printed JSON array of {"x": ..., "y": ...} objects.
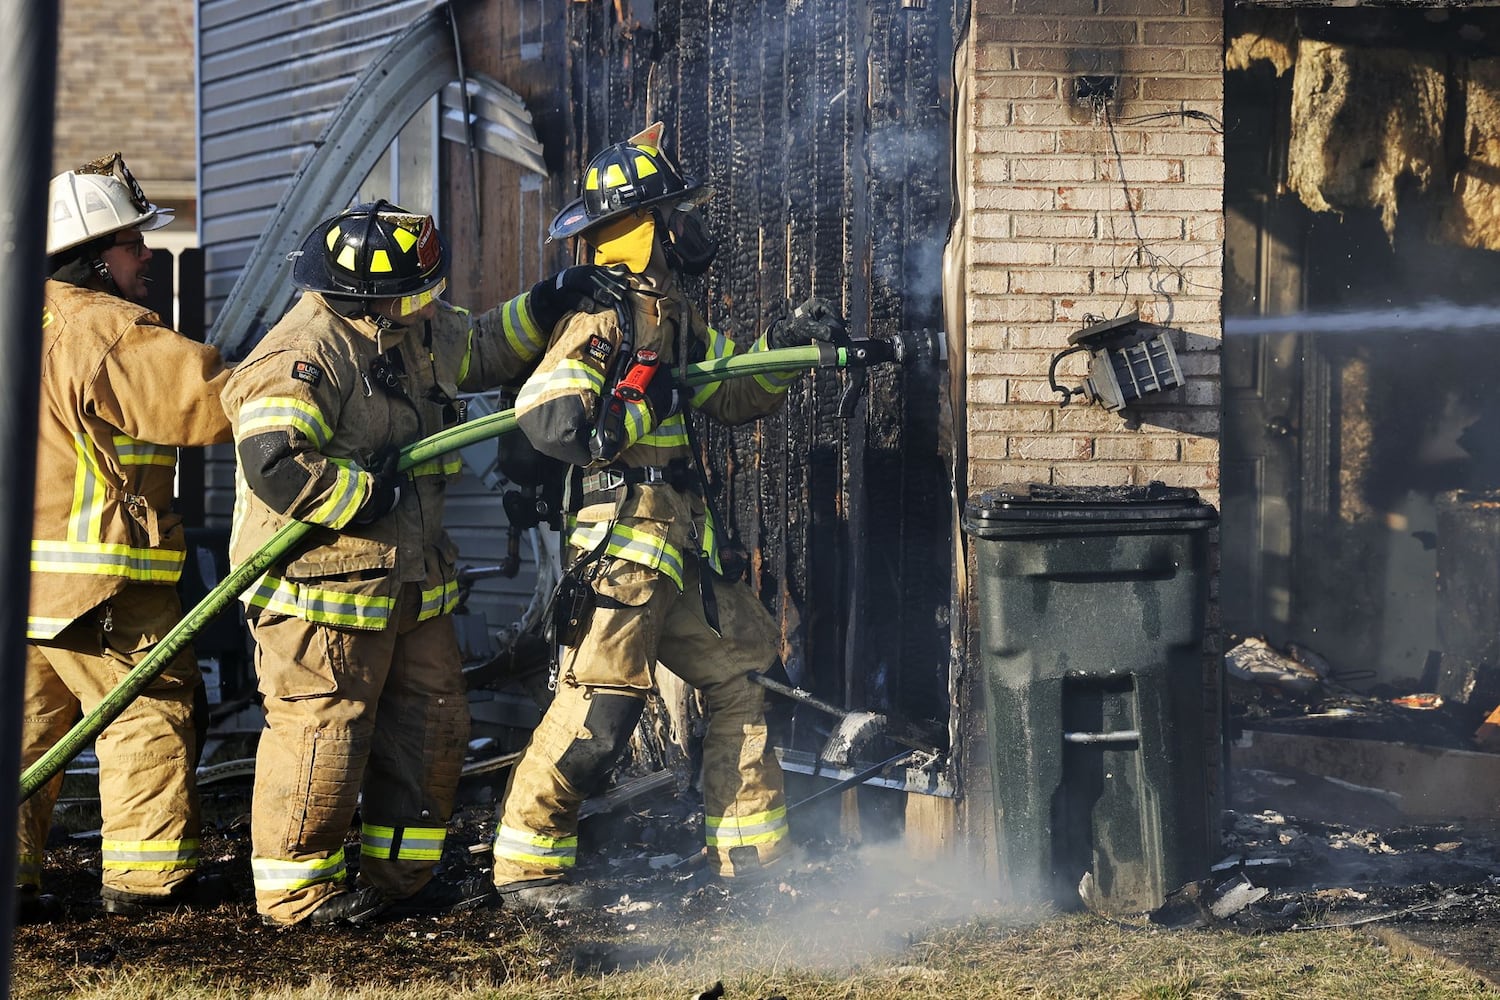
[{"x": 96, "y": 199}]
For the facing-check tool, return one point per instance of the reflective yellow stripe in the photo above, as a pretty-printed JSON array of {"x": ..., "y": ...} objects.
[
  {"x": 86, "y": 516},
  {"x": 439, "y": 600},
  {"x": 106, "y": 559},
  {"x": 719, "y": 346},
  {"x": 314, "y": 604},
  {"x": 671, "y": 433},
  {"x": 133, "y": 452},
  {"x": 280, "y": 413},
  {"x": 521, "y": 331},
  {"x": 535, "y": 849},
  {"x": 350, "y": 488},
  {"x": 445, "y": 465},
  {"x": 274, "y": 875},
  {"x": 152, "y": 855},
  {"x": 569, "y": 376},
  {"x": 637, "y": 419},
  {"x": 418, "y": 843},
  {"x": 627, "y": 543},
  {"x": 773, "y": 382},
  {"x": 42, "y": 627},
  {"x": 739, "y": 831},
  {"x": 711, "y": 542}
]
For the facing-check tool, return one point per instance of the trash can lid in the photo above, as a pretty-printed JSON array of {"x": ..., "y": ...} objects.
[{"x": 1155, "y": 501}]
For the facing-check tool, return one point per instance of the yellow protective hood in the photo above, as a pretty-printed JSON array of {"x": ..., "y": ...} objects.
[{"x": 627, "y": 240}]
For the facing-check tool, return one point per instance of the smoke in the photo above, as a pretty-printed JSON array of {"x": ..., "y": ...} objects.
[
  {"x": 1429, "y": 317},
  {"x": 875, "y": 903},
  {"x": 898, "y": 155},
  {"x": 861, "y": 904}
]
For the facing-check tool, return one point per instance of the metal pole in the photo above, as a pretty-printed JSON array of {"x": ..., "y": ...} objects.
[{"x": 28, "y": 46}]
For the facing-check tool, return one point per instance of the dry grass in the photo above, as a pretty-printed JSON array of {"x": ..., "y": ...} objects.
[{"x": 857, "y": 959}]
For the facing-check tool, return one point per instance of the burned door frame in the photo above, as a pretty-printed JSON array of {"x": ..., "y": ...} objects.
[{"x": 1265, "y": 405}]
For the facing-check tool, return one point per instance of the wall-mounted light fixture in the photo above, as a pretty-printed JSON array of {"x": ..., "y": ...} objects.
[{"x": 1125, "y": 363}]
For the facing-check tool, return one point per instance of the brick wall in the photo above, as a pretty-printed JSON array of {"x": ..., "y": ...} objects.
[
  {"x": 125, "y": 82},
  {"x": 1074, "y": 215}
]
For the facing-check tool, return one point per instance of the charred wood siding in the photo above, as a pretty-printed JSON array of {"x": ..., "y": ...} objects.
[{"x": 825, "y": 131}]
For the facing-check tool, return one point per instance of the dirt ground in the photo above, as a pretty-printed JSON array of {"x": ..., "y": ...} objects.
[{"x": 1434, "y": 888}]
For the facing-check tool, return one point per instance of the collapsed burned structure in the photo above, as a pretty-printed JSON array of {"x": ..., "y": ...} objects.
[{"x": 1000, "y": 174}]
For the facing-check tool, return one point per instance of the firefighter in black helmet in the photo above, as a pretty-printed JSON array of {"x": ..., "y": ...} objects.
[
  {"x": 645, "y": 580},
  {"x": 356, "y": 658}
]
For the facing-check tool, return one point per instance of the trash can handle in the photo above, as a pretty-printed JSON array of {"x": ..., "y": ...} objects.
[{"x": 1118, "y": 736}]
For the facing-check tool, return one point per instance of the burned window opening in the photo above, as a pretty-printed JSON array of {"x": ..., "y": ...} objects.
[{"x": 1353, "y": 421}]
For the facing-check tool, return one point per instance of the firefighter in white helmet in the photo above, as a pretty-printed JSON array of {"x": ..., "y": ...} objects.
[
  {"x": 120, "y": 393},
  {"x": 645, "y": 579},
  {"x": 356, "y": 655}
]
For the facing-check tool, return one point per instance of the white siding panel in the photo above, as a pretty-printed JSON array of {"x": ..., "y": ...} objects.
[
  {"x": 249, "y": 170},
  {"x": 228, "y": 148},
  {"x": 250, "y": 47},
  {"x": 218, "y": 14},
  {"x": 229, "y": 231}
]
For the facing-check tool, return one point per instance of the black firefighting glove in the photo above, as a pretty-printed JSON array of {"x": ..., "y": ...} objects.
[
  {"x": 584, "y": 288},
  {"x": 385, "y": 491},
  {"x": 663, "y": 396},
  {"x": 815, "y": 319}
]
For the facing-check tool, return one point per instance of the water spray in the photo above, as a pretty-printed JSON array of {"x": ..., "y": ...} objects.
[{"x": 1428, "y": 317}]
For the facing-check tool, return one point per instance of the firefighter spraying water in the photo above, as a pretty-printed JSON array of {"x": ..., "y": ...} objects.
[{"x": 646, "y": 579}]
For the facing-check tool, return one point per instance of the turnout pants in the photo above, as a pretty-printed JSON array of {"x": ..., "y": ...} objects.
[
  {"x": 641, "y": 618},
  {"x": 351, "y": 713},
  {"x": 147, "y": 756}
]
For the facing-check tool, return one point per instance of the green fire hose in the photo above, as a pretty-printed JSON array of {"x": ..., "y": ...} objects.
[{"x": 736, "y": 366}]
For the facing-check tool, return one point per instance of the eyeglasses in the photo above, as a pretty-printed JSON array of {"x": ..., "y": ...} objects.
[{"x": 137, "y": 246}]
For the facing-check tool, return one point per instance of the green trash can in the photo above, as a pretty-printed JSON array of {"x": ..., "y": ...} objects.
[{"x": 1101, "y": 727}]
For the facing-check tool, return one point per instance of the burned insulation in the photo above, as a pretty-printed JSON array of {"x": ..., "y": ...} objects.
[
  {"x": 1362, "y": 119},
  {"x": 1472, "y": 216},
  {"x": 1267, "y": 35}
]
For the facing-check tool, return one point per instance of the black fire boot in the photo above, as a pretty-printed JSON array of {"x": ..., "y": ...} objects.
[
  {"x": 36, "y": 907},
  {"x": 544, "y": 895},
  {"x": 351, "y": 906},
  {"x": 440, "y": 896},
  {"x": 750, "y": 872},
  {"x": 196, "y": 892}
]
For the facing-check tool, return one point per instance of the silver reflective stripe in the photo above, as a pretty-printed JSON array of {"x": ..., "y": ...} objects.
[
  {"x": 274, "y": 875},
  {"x": 418, "y": 843},
  {"x": 735, "y": 831},
  {"x": 517, "y": 845},
  {"x": 162, "y": 855},
  {"x": 422, "y": 844}
]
